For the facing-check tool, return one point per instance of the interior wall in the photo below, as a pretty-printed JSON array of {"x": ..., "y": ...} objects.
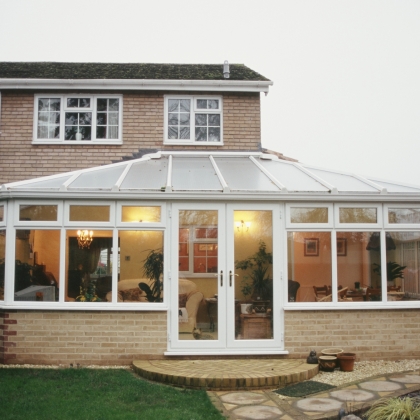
[
  {"x": 134, "y": 248},
  {"x": 46, "y": 243}
]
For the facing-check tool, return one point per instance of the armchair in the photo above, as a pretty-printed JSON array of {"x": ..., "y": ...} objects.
[
  {"x": 189, "y": 294},
  {"x": 129, "y": 291}
]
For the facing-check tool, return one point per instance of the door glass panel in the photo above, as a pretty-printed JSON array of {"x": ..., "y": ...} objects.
[
  {"x": 198, "y": 282},
  {"x": 253, "y": 277}
]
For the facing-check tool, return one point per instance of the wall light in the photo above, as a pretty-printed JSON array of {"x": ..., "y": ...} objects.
[
  {"x": 240, "y": 225},
  {"x": 84, "y": 238}
]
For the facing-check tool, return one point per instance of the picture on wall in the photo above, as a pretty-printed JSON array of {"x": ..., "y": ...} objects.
[
  {"x": 341, "y": 247},
  {"x": 311, "y": 247}
]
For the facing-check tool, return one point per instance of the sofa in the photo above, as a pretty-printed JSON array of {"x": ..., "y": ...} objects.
[{"x": 189, "y": 299}]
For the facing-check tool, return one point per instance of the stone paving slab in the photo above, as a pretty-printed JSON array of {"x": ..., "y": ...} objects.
[
  {"x": 226, "y": 374},
  {"x": 266, "y": 405}
]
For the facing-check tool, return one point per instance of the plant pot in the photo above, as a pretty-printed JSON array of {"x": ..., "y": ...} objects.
[
  {"x": 327, "y": 363},
  {"x": 246, "y": 308},
  {"x": 260, "y": 306},
  {"x": 346, "y": 361},
  {"x": 332, "y": 352}
]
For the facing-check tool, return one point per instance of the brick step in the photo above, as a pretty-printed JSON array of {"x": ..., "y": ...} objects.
[{"x": 226, "y": 374}]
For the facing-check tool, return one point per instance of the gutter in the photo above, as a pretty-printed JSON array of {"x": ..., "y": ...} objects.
[{"x": 136, "y": 84}]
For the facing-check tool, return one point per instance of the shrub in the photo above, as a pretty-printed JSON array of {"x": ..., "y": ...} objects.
[{"x": 394, "y": 409}]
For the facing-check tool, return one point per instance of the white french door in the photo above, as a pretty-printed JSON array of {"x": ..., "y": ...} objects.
[{"x": 218, "y": 253}]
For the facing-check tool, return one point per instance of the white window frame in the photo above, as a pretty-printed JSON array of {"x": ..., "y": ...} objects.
[
  {"x": 303, "y": 226},
  {"x": 358, "y": 226},
  {"x": 38, "y": 223},
  {"x": 4, "y": 206},
  {"x": 90, "y": 224},
  {"x": 193, "y": 240},
  {"x": 64, "y": 109},
  {"x": 399, "y": 226},
  {"x": 141, "y": 225},
  {"x": 193, "y": 111}
]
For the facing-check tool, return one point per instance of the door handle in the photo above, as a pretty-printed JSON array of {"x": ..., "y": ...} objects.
[
  {"x": 221, "y": 278},
  {"x": 230, "y": 277}
]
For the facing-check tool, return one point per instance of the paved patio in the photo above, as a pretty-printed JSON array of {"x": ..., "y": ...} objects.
[
  {"x": 243, "y": 389},
  {"x": 267, "y": 405}
]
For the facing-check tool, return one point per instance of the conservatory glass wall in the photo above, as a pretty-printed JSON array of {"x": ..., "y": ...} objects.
[{"x": 347, "y": 263}]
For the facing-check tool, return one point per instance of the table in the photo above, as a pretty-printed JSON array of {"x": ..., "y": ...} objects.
[
  {"x": 356, "y": 294},
  {"x": 256, "y": 326},
  {"x": 212, "y": 311}
]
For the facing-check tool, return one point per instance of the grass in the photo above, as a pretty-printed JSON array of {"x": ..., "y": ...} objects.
[{"x": 93, "y": 394}]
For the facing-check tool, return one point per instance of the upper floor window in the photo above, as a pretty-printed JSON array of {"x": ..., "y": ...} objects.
[
  {"x": 62, "y": 119},
  {"x": 193, "y": 119}
]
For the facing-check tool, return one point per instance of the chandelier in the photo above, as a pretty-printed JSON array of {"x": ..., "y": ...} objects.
[{"x": 84, "y": 238}]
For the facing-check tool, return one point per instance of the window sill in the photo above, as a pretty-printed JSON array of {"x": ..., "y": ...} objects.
[{"x": 77, "y": 143}]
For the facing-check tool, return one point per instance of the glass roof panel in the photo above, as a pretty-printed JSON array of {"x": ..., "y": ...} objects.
[
  {"x": 197, "y": 174},
  {"x": 241, "y": 174},
  {"x": 51, "y": 183},
  {"x": 146, "y": 175},
  {"x": 102, "y": 179},
  {"x": 396, "y": 188},
  {"x": 291, "y": 177},
  {"x": 343, "y": 182}
]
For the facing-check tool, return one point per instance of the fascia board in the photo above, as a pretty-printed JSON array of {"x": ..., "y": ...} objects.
[
  {"x": 214, "y": 196},
  {"x": 146, "y": 84}
]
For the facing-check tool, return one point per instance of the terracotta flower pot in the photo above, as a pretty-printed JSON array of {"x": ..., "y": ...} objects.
[
  {"x": 332, "y": 352},
  {"x": 327, "y": 363},
  {"x": 346, "y": 361}
]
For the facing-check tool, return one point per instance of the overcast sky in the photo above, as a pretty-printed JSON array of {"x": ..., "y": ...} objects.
[{"x": 346, "y": 93}]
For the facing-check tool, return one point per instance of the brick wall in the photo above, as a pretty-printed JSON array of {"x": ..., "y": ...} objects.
[
  {"x": 102, "y": 337},
  {"x": 371, "y": 334},
  {"x": 64, "y": 337},
  {"x": 143, "y": 124}
]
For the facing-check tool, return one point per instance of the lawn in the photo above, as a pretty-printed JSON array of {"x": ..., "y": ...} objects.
[{"x": 96, "y": 394}]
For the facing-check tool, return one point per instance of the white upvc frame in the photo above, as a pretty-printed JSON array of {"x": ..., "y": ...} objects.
[
  {"x": 313, "y": 205},
  {"x": 193, "y": 111},
  {"x": 141, "y": 225},
  {"x": 226, "y": 344},
  {"x": 63, "y": 225},
  {"x": 38, "y": 223},
  {"x": 3, "y": 205},
  {"x": 91, "y": 224},
  {"x": 399, "y": 226},
  {"x": 63, "y": 109},
  {"x": 139, "y": 306},
  {"x": 357, "y": 226}
]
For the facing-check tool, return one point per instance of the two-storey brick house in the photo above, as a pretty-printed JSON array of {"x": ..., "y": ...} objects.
[{"x": 138, "y": 208}]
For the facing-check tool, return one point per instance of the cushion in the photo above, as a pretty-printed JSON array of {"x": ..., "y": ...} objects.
[
  {"x": 182, "y": 300},
  {"x": 131, "y": 294}
]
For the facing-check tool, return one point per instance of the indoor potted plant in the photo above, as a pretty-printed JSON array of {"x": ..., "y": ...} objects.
[
  {"x": 393, "y": 271},
  {"x": 246, "y": 289},
  {"x": 153, "y": 270},
  {"x": 259, "y": 266}
]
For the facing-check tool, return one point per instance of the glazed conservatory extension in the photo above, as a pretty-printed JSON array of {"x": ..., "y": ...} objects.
[{"x": 227, "y": 228}]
